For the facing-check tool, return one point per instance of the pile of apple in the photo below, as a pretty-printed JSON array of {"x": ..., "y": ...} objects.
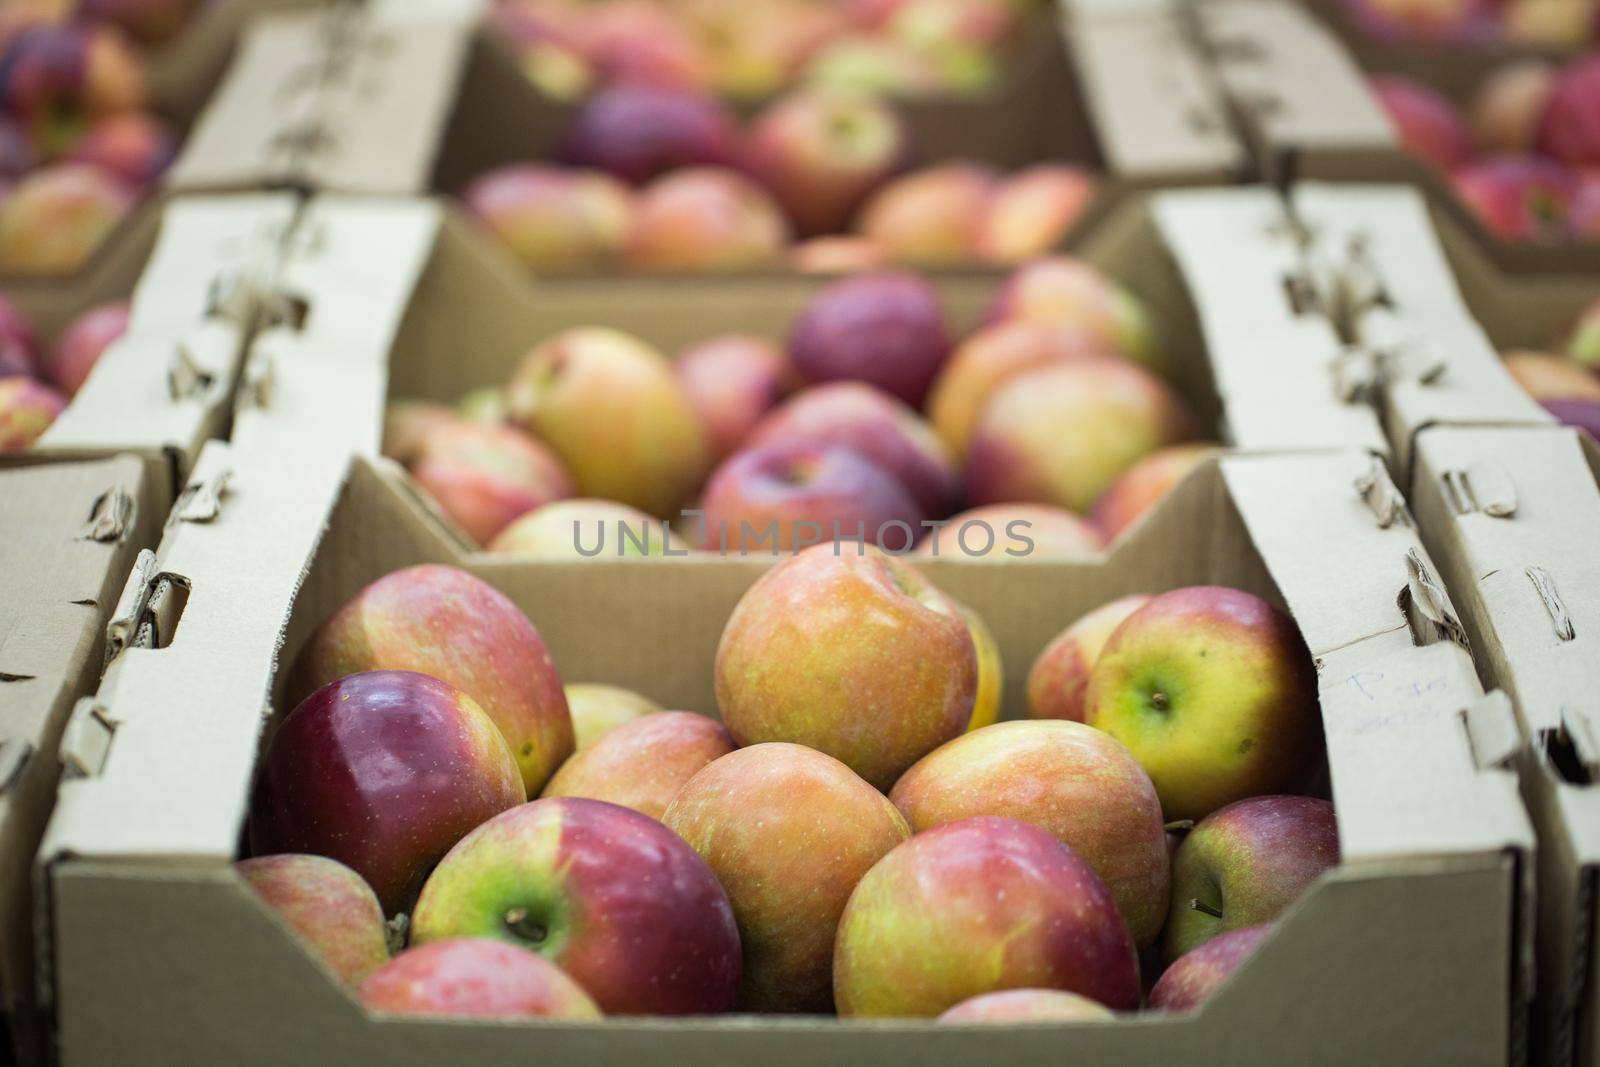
[
  {"x": 1545, "y": 24},
  {"x": 35, "y": 384},
  {"x": 1056, "y": 414},
  {"x": 78, "y": 148},
  {"x": 665, "y": 180},
  {"x": 1526, "y": 160},
  {"x": 856, "y": 834},
  {"x": 754, "y": 48},
  {"x": 1566, "y": 379}
]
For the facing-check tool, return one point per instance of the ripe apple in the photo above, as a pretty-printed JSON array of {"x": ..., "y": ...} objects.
[
  {"x": 612, "y": 897},
  {"x": 887, "y": 330},
  {"x": 1519, "y": 198},
  {"x": 1141, "y": 487},
  {"x": 1570, "y": 130},
  {"x": 1062, "y": 434},
  {"x": 382, "y": 771},
  {"x": 1246, "y": 863},
  {"x": 19, "y": 345},
  {"x": 1074, "y": 781},
  {"x": 408, "y": 423},
  {"x": 1508, "y": 105},
  {"x": 1028, "y": 1006},
  {"x": 1033, "y": 210},
  {"x": 640, "y": 43},
  {"x": 837, "y": 254},
  {"x": 84, "y": 342},
  {"x": 639, "y": 132},
  {"x": 586, "y": 529},
  {"x": 1214, "y": 692},
  {"x": 134, "y": 145},
  {"x": 475, "y": 977},
  {"x": 610, "y": 407},
  {"x": 789, "y": 832},
  {"x": 1425, "y": 121},
  {"x": 1192, "y": 980},
  {"x": 707, "y": 219},
  {"x": 486, "y": 476},
  {"x": 1063, "y": 289},
  {"x": 1059, "y": 680},
  {"x": 979, "y": 906},
  {"x": 598, "y": 709},
  {"x": 57, "y": 78},
  {"x": 27, "y": 408},
  {"x": 1012, "y": 531},
  {"x": 990, "y": 696},
  {"x": 57, "y": 216},
  {"x": 1545, "y": 377},
  {"x": 331, "y": 910},
  {"x": 931, "y": 217},
  {"x": 642, "y": 764},
  {"x": 732, "y": 381},
  {"x": 554, "y": 218},
  {"x": 872, "y": 65},
  {"x": 1583, "y": 214},
  {"x": 447, "y": 623},
  {"x": 857, "y": 656}
]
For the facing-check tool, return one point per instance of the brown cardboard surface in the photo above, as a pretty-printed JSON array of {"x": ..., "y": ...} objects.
[
  {"x": 68, "y": 533},
  {"x": 1405, "y": 950}
]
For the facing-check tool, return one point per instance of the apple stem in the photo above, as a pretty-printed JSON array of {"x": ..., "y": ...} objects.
[
  {"x": 1205, "y": 909},
  {"x": 518, "y": 923}
]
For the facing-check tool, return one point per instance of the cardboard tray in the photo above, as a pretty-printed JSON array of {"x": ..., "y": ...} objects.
[
  {"x": 1413, "y": 948},
  {"x": 68, "y": 536}
]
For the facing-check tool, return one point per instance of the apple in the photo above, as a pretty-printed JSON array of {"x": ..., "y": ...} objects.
[
  {"x": 1059, "y": 679},
  {"x": 27, "y": 408},
  {"x": 1551, "y": 25},
  {"x": 57, "y": 78},
  {"x": 872, "y": 65},
  {"x": 19, "y": 345},
  {"x": 788, "y": 832},
  {"x": 1247, "y": 863},
  {"x": 837, "y": 254},
  {"x": 1081, "y": 785},
  {"x": 486, "y": 404},
  {"x": 447, "y": 623},
  {"x": 486, "y": 476},
  {"x": 930, "y": 24},
  {"x": 1425, "y": 121},
  {"x": 1062, "y": 289},
  {"x": 1583, "y": 214},
  {"x": 1433, "y": 22},
  {"x": 1062, "y": 434},
  {"x": 1011, "y": 531},
  {"x": 753, "y": 48},
  {"x": 887, "y": 330},
  {"x": 475, "y": 977},
  {"x": 327, "y": 905},
  {"x": 407, "y": 424},
  {"x": 1579, "y": 414},
  {"x": 989, "y": 357},
  {"x": 1519, "y": 198},
  {"x": 382, "y": 771},
  {"x": 931, "y": 217},
  {"x": 1545, "y": 377},
  {"x": 823, "y": 153},
  {"x": 1032, "y": 211},
  {"x": 1570, "y": 130},
  {"x": 1028, "y": 1006},
  {"x": 1192, "y": 980},
  {"x": 1508, "y": 105},
  {"x": 147, "y": 21},
  {"x": 586, "y": 529},
  {"x": 17, "y": 155},
  {"x": 1581, "y": 345},
  {"x": 1213, "y": 691},
  {"x": 554, "y": 218},
  {"x": 611, "y": 409},
  {"x": 1142, "y": 486},
  {"x": 57, "y": 216},
  {"x": 877, "y": 427},
  {"x": 641, "y": 44},
  {"x": 638, "y": 132},
  {"x": 989, "y": 698},
  {"x": 732, "y": 381},
  {"x": 84, "y": 342},
  {"x": 788, "y": 494},
  {"x": 857, "y": 656},
  {"x": 598, "y": 709},
  {"x": 706, "y": 219},
  {"x": 610, "y": 896},
  {"x": 643, "y": 763},
  {"x": 979, "y": 906},
  {"x": 134, "y": 145}
]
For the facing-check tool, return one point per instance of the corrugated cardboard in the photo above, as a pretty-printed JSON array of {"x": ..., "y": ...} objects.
[
  {"x": 68, "y": 534},
  {"x": 1405, "y": 952},
  {"x": 1513, "y": 516}
]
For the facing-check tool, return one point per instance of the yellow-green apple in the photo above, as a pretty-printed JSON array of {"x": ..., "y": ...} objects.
[
  {"x": 837, "y": 254},
  {"x": 1244, "y": 864},
  {"x": 1059, "y": 679},
  {"x": 783, "y": 496},
  {"x": 753, "y": 49},
  {"x": 27, "y": 408},
  {"x": 887, "y": 330},
  {"x": 872, "y": 64},
  {"x": 447, "y": 623},
  {"x": 857, "y": 656},
  {"x": 640, "y": 132},
  {"x": 475, "y": 976},
  {"x": 1582, "y": 342},
  {"x": 1081, "y": 785},
  {"x": 1066, "y": 289},
  {"x": 408, "y": 423},
  {"x": 732, "y": 381},
  {"x": 1570, "y": 129},
  {"x": 989, "y": 357},
  {"x": 610, "y": 896},
  {"x": 486, "y": 476},
  {"x": 383, "y": 771},
  {"x": 1425, "y": 121},
  {"x": 134, "y": 145},
  {"x": 598, "y": 709},
  {"x": 1214, "y": 692},
  {"x": 1033, "y": 210},
  {"x": 487, "y": 403},
  {"x": 84, "y": 342},
  {"x": 19, "y": 345},
  {"x": 1141, "y": 486},
  {"x": 554, "y": 218},
  {"x": 609, "y": 406},
  {"x": 823, "y": 153},
  {"x": 1012, "y": 531},
  {"x": 979, "y": 906},
  {"x": 1517, "y": 197},
  {"x": 1192, "y": 980},
  {"x": 788, "y": 832},
  {"x": 1028, "y": 1006},
  {"x": 1509, "y": 103},
  {"x": 990, "y": 696},
  {"x": 57, "y": 78},
  {"x": 642, "y": 764},
  {"x": 57, "y": 216},
  {"x": 1062, "y": 434},
  {"x": 146, "y": 21},
  {"x": 706, "y": 219},
  {"x": 586, "y": 529},
  {"x": 931, "y": 23},
  {"x": 331, "y": 910},
  {"x": 931, "y": 217},
  {"x": 876, "y": 426},
  {"x": 1546, "y": 377}
]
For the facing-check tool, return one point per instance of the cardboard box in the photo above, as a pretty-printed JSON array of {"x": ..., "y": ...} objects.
[
  {"x": 68, "y": 535},
  {"x": 1413, "y": 948}
]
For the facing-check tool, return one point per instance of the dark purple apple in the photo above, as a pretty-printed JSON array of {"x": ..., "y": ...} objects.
[
  {"x": 639, "y": 132},
  {"x": 886, "y": 330}
]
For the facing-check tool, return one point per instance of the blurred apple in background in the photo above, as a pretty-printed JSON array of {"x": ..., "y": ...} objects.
[
  {"x": 1427, "y": 21},
  {"x": 146, "y": 21},
  {"x": 1426, "y": 122},
  {"x": 19, "y": 345},
  {"x": 1509, "y": 104},
  {"x": 638, "y": 133},
  {"x": 1059, "y": 680},
  {"x": 1547, "y": 377},
  {"x": 1062, "y": 289},
  {"x": 1570, "y": 131},
  {"x": 1141, "y": 487},
  {"x": 475, "y": 977},
  {"x": 486, "y": 404},
  {"x": 837, "y": 254},
  {"x": 58, "y": 78},
  {"x": 86, "y": 339},
  {"x": 27, "y": 408},
  {"x": 134, "y": 145},
  {"x": 1520, "y": 198},
  {"x": 887, "y": 330},
  {"x": 1033, "y": 210},
  {"x": 1192, "y": 980},
  {"x": 554, "y": 218},
  {"x": 586, "y": 529},
  {"x": 1582, "y": 342},
  {"x": 486, "y": 476},
  {"x": 1027, "y": 1006},
  {"x": 931, "y": 217},
  {"x": 706, "y": 219},
  {"x": 642, "y": 764},
  {"x": 1012, "y": 531},
  {"x": 732, "y": 381},
  {"x": 598, "y": 709},
  {"x": 330, "y": 909},
  {"x": 55, "y": 218},
  {"x": 408, "y": 423}
]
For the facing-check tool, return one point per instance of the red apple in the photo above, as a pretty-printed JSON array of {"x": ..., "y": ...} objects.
[
  {"x": 57, "y": 216},
  {"x": 134, "y": 145},
  {"x": 931, "y": 217},
  {"x": 554, "y": 218},
  {"x": 1570, "y": 130},
  {"x": 1027, "y": 1006},
  {"x": 641, "y": 44},
  {"x": 1583, "y": 214},
  {"x": 887, "y": 330},
  {"x": 487, "y": 476},
  {"x": 1192, "y": 980},
  {"x": 706, "y": 219},
  {"x": 1062, "y": 289},
  {"x": 1426, "y": 122},
  {"x": 732, "y": 381},
  {"x": 1033, "y": 210},
  {"x": 1141, "y": 487},
  {"x": 642, "y": 764},
  {"x": 639, "y": 133},
  {"x": 329, "y": 908},
  {"x": 475, "y": 977},
  {"x": 1509, "y": 104},
  {"x": 407, "y": 424},
  {"x": 27, "y": 408},
  {"x": 1059, "y": 680},
  {"x": 84, "y": 342},
  {"x": 1519, "y": 198},
  {"x": 1012, "y": 531}
]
